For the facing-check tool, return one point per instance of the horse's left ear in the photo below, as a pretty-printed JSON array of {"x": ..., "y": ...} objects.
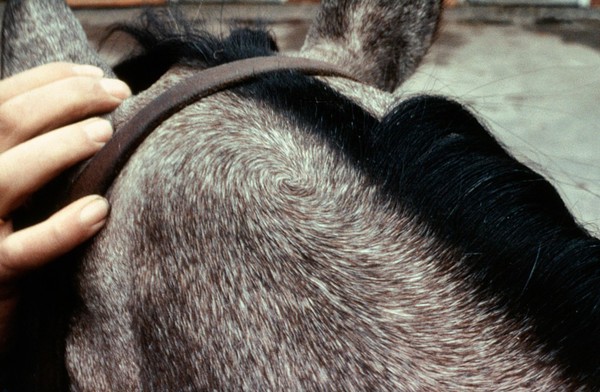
[
  {"x": 37, "y": 32},
  {"x": 380, "y": 41}
]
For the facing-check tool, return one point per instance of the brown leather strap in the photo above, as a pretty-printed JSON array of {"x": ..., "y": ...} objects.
[{"x": 99, "y": 172}]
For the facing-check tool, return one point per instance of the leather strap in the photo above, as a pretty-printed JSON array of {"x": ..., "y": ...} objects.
[{"x": 99, "y": 172}]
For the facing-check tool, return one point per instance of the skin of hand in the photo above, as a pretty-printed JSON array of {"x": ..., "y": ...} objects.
[{"x": 46, "y": 126}]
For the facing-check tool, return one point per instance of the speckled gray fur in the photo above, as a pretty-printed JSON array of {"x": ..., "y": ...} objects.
[{"x": 243, "y": 254}]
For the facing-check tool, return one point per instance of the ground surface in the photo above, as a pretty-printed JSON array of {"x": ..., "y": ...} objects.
[{"x": 533, "y": 75}]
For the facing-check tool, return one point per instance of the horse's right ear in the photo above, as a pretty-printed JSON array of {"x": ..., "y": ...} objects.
[{"x": 380, "y": 41}]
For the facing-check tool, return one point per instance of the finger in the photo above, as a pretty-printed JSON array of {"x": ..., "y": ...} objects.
[
  {"x": 56, "y": 104},
  {"x": 34, "y": 246},
  {"x": 43, "y": 75},
  {"x": 28, "y": 166}
]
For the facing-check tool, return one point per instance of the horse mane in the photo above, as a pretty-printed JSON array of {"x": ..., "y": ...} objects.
[
  {"x": 519, "y": 243},
  {"x": 166, "y": 39}
]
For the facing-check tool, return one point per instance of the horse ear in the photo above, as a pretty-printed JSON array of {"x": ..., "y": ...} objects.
[
  {"x": 380, "y": 41},
  {"x": 37, "y": 32}
]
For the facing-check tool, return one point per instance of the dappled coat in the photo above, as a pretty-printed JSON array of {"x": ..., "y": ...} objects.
[{"x": 302, "y": 233}]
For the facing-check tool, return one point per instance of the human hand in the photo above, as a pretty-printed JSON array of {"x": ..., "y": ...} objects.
[{"x": 43, "y": 131}]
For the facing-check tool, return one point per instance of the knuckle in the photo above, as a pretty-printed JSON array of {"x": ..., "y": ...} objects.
[
  {"x": 3, "y": 252},
  {"x": 79, "y": 85},
  {"x": 99, "y": 91},
  {"x": 68, "y": 147},
  {"x": 94, "y": 132},
  {"x": 9, "y": 124},
  {"x": 4, "y": 258},
  {"x": 65, "y": 141},
  {"x": 56, "y": 238},
  {"x": 7, "y": 191},
  {"x": 86, "y": 92},
  {"x": 78, "y": 93},
  {"x": 10, "y": 253},
  {"x": 62, "y": 68},
  {"x": 4, "y": 185}
]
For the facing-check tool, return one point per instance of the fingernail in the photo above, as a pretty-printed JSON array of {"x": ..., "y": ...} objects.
[
  {"x": 94, "y": 212},
  {"x": 88, "y": 70},
  {"x": 116, "y": 88},
  {"x": 98, "y": 130}
]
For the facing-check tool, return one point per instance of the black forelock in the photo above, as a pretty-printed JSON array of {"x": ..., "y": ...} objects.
[{"x": 167, "y": 38}]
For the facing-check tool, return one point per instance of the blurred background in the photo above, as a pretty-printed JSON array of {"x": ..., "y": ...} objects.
[{"x": 529, "y": 68}]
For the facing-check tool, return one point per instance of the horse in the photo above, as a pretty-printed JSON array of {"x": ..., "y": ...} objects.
[{"x": 306, "y": 232}]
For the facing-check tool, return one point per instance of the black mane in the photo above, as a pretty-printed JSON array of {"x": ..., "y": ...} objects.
[{"x": 520, "y": 243}]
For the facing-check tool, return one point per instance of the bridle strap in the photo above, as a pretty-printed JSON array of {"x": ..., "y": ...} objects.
[{"x": 99, "y": 172}]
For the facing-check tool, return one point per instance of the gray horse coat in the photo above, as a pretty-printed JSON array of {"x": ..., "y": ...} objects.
[{"x": 300, "y": 233}]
